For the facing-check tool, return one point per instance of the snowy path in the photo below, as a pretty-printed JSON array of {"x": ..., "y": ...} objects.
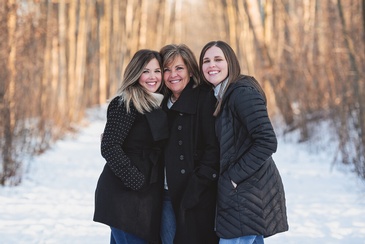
[{"x": 54, "y": 204}]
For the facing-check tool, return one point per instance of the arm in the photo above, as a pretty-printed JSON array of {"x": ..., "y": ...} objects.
[
  {"x": 250, "y": 110},
  {"x": 117, "y": 127}
]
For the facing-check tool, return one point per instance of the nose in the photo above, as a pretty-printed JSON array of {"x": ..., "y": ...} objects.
[
  {"x": 152, "y": 76},
  {"x": 173, "y": 73}
]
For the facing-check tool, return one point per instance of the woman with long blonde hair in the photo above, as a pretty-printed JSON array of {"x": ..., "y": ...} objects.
[{"x": 128, "y": 196}]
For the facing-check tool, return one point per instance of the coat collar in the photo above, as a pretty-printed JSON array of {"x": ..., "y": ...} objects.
[
  {"x": 233, "y": 86},
  {"x": 157, "y": 120},
  {"x": 188, "y": 100}
]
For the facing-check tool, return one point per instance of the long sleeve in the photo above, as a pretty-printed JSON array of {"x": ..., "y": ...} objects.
[
  {"x": 117, "y": 127},
  {"x": 250, "y": 109}
]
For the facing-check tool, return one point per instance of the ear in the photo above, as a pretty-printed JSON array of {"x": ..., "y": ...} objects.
[{"x": 191, "y": 75}]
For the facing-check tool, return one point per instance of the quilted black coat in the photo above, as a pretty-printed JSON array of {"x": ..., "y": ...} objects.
[{"x": 247, "y": 141}]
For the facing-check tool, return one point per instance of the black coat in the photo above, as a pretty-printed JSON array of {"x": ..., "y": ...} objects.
[
  {"x": 192, "y": 163},
  {"x": 129, "y": 191},
  {"x": 247, "y": 142}
]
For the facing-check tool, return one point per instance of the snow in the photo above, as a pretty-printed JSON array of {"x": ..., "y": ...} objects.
[{"x": 55, "y": 202}]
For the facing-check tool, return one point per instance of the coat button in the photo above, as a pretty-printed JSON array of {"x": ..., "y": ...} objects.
[
  {"x": 180, "y": 142},
  {"x": 181, "y": 157},
  {"x": 182, "y": 171},
  {"x": 181, "y": 114},
  {"x": 214, "y": 176},
  {"x": 179, "y": 127}
]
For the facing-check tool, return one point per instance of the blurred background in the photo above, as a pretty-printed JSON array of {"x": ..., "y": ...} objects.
[{"x": 61, "y": 57}]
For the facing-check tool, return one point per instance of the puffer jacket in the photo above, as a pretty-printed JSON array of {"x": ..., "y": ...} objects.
[{"x": 247, "y": 141}]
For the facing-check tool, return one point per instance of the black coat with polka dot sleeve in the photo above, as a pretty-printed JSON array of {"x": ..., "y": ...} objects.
[
  {"x": 128, "y": 195},
  {"x": 118, "y": 125}
]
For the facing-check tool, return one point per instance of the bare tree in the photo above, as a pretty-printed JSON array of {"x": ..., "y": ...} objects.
[
  {"x": 7, "y": 94},
  {"x": 60, "y": 57}
]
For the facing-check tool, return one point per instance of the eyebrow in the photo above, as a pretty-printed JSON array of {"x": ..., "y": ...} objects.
[
  {"x": 177, "y": 65},
  {"x": 218, "y": 56},
  {"x": 152, "y": 69}
]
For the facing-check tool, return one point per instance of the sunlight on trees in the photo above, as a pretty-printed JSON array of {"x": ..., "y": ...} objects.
[{"x": 61, "y": 57}]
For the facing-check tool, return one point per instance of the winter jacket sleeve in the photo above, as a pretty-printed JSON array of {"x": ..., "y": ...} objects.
[
  {"x": 118, "y": 125},
  {"x": 249, "y": 109}
]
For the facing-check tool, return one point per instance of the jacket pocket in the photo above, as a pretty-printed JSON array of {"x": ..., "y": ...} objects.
[{"x": 227, "y": 194}]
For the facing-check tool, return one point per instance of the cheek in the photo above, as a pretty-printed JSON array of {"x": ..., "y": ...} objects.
[
  {"x": 166, "y": 82},
  {"x": 206, "y": 76},
  {"x": 226, "y": 70},
  {"x": 143, "y": 77},
  {"x": 205, "y": 73},
  {"x": 204, "y": 68},
  {"x": 140, "y": 80}
]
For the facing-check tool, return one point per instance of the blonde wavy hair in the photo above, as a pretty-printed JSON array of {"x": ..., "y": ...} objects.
[{"x": 130, "y": 90}]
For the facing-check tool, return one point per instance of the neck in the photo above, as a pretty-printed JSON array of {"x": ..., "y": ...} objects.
[{"x": 174, "y": 97}]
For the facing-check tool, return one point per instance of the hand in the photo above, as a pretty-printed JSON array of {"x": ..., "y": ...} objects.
[{"x": 234, "y": 184}]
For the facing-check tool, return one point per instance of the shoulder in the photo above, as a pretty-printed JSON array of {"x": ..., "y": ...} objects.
[
  {"x": 205, "y": 87},
  {"x": 206, "y": 94},
  {"x": 246, "y": 85},
  {"x": 115, "y": 101},
  {"x": 205, "y": 90},
  {"x": 117, "y": 105}
]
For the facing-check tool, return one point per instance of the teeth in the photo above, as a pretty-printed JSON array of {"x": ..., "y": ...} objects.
[
  {"x": 213, "y": 72},
  {"x": 174, "y": 81},
  {"x": 151, "y": 83}
]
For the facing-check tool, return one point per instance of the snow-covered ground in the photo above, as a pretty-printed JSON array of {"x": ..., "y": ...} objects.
[{"x": 55, "y": 202}]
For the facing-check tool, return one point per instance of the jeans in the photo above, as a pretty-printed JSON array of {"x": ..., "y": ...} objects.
[
  {"x": 168, "y": 222},
  {"x": 243, "y": 240},
  {"x": 120, "y": 237}
]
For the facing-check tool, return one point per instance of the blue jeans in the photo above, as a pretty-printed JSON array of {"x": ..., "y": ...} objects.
[
  {"x": 243, "y": 240},
  {"x": 120, "y": 237},
  {"x": 168, "y": 222}
]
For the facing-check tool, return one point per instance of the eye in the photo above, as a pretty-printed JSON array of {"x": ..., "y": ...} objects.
[
  {"x": 157, "y": 71},
  {"x": 179, "y": 68},
  {"x": 166, "y": 70},
  {"x": 145, "y": 71},
  {"x": 206, "y": 61}
]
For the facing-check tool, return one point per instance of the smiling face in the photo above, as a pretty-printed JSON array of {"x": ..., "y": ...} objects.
[
  {"x": 151, "y": 76},
  {"x": 176, "y": 76},
  {"x": 215, "y": 66}
]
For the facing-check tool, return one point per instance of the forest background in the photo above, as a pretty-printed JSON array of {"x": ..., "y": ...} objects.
[{"x": 60, "y": 57}]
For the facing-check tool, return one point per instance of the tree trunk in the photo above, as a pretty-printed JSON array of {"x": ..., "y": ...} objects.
[
  {"x": 71, "y": 40},
  {"x": 10, "y": 167},
  {"x": 80, "y": 59},
  {"x": 265, "y": 60},
  {"x": 62, "y": 64},
  {"x": 357, "y": 91}
]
